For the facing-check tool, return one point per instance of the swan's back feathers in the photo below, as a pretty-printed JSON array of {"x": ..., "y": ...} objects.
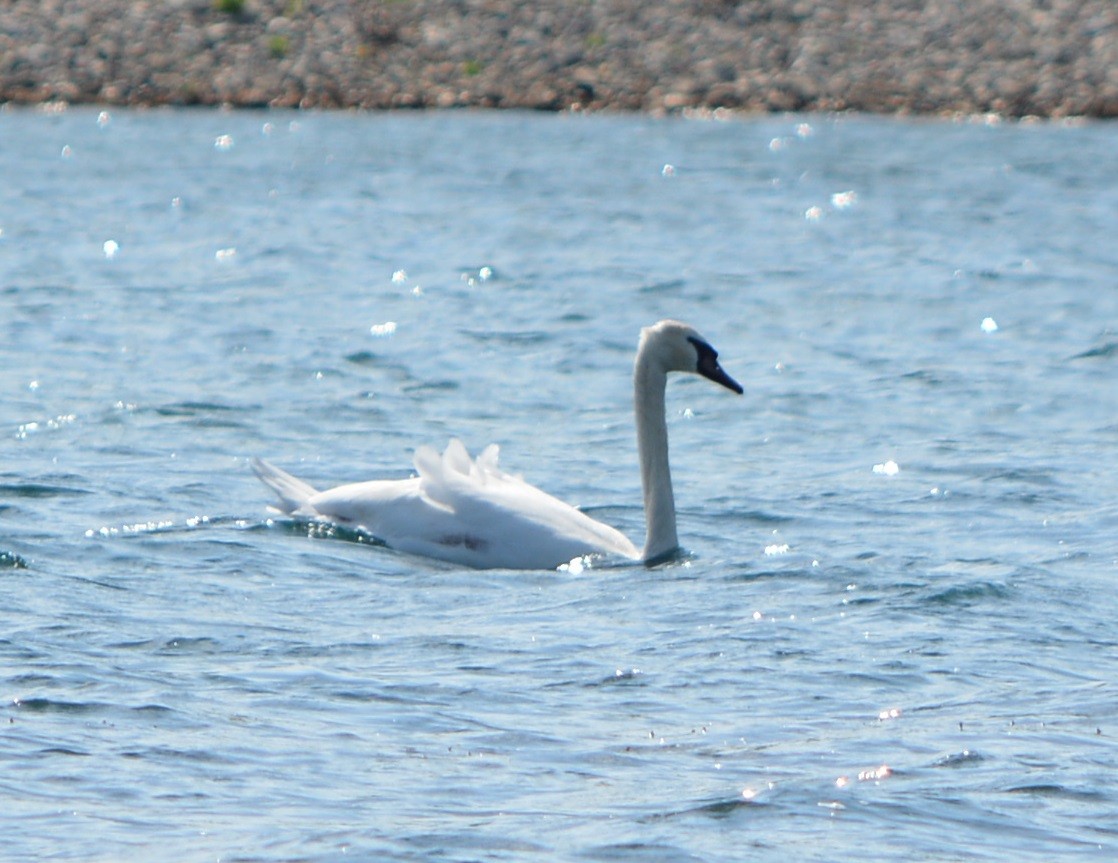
[
  {"x": 431, "y": 469},
  {"x": 445, "y": 478}
]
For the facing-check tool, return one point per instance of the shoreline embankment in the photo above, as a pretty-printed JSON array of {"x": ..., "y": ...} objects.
[{"x": 1047, "y": 58}]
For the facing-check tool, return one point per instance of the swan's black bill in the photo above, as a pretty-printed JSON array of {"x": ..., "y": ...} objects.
[{"x": 708, "y": 366}]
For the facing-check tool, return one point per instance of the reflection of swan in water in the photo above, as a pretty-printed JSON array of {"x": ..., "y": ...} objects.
[{"x": 468, "y": 511}]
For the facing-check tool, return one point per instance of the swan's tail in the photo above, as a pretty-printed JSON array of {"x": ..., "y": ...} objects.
[{"x": 292, "y": 492}]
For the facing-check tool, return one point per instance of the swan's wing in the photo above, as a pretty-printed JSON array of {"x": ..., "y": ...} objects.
[{"x": 516, "y": 523}]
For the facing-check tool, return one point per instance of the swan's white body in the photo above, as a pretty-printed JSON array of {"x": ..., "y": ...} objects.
[
  {"x": 458, "y": 509},
  {"x": 468, "y": 511}
]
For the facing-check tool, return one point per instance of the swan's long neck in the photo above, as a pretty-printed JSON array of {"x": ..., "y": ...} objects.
[{"x": 652, "y": 449}]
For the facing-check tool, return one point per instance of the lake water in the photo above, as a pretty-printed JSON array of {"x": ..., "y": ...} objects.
[{"x": 894, "y": 633}]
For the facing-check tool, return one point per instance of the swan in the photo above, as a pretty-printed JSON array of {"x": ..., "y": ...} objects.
[{"x": 469, "y": 512}]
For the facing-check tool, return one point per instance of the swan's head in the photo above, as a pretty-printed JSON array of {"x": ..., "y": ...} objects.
[{"x": 672, "y": 346}]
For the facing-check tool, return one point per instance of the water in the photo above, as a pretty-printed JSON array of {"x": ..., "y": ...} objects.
[{"x": 893, "y": 635}]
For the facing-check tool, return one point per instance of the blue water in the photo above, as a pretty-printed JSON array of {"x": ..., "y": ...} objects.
[{"x": 893, "y": 635}]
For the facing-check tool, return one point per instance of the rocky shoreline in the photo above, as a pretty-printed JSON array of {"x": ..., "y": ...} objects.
[{"x": 1049, "y": 58}]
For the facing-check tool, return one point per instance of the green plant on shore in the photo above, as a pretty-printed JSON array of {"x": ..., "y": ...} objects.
[
  {"x": 230, "y": 7},
  {"x": 278, "y": 46},
  {"x": 595, "y": 40},
  {"x": 473, "y": 67},
  {"x": 293, "y": 8}
]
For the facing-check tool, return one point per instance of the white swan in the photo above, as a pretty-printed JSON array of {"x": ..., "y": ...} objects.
[{"x": 469, "y": 512}]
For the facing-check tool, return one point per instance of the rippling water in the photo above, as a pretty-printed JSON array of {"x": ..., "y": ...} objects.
[{"x": 893, "y": 637}]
